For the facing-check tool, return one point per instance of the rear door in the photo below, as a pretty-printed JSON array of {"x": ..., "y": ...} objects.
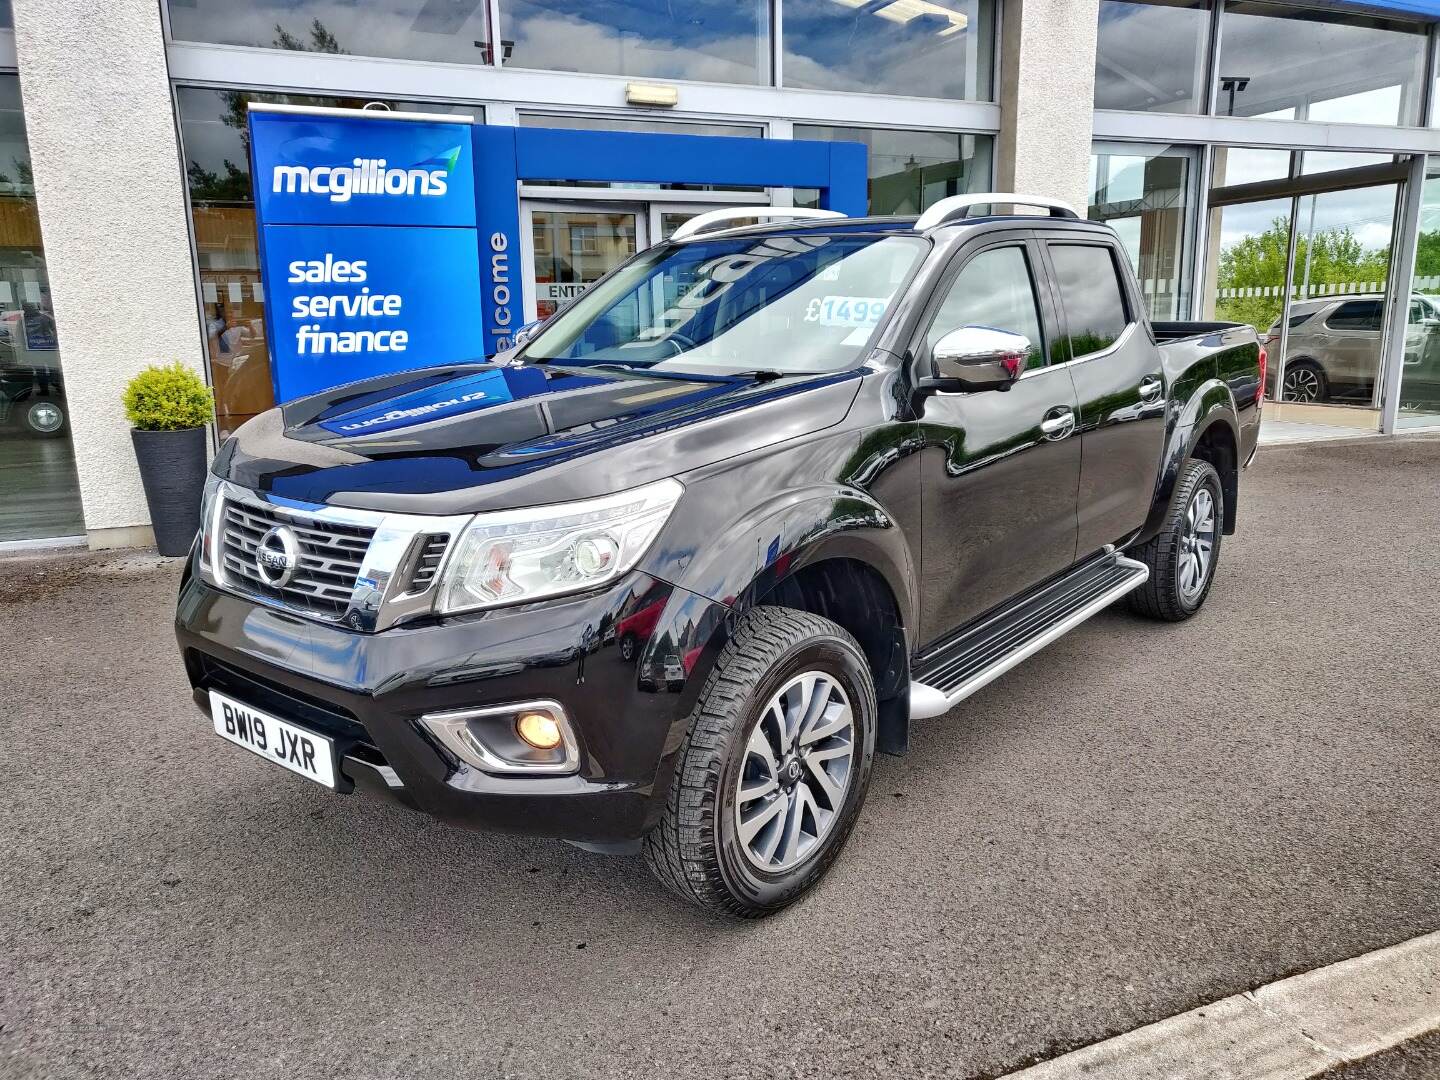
[
  {"x": 1352, "y": 344},
  {"x": 1001, "y": 467},
  {"x": 1119, "y": 383}
]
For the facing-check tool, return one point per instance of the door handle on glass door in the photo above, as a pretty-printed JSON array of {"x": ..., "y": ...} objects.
[
  {"x": 1059, "y": 423},
  {"x": 1150, "y": 387}
]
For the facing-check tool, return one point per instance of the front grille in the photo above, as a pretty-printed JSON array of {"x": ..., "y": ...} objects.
[{"x": 330, "y": 558}]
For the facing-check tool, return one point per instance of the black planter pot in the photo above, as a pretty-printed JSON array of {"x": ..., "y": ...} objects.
[{"x": 172, "y": 468}]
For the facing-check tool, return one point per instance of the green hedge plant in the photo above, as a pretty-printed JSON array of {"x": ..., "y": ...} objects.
[{"x": 168, "y": 398}]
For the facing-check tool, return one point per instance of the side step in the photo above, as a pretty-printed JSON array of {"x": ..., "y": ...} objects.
[{"x": 979, "y": 656}]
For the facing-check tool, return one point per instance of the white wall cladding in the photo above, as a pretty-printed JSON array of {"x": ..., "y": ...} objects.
[
  {"x": 109, "y": 190},
  {"x": 1047, "y": 94}
]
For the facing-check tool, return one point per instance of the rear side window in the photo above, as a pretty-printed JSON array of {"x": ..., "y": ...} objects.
[
  {"x": 1090, "y": 293},
  {"x": 1356, "y": 315}
]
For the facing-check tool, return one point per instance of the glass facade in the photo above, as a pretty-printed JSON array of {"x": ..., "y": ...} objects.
[
  {"x": 455, "y": 33},
  {"x": 1150, "y": 55},
  {"x": 724, "y": 41},
  {"x": 1420, "y": 376},
  {"x": 1296, "y": 63},
  {"x": 39, "y": 490},
  {"x": 910, "y": 170},
  {"x": 214, "y": 142},
  {"x": 917, "y": 48},
  {"x": 1145, "y": 193}
]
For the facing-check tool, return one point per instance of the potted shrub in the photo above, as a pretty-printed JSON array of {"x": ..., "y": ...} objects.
[{"x": 168, "y": 408}]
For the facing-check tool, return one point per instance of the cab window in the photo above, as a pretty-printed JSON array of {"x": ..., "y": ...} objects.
[
  {"x": 1357, "y": 315},
  {"x": 994, "y": 289},
  {"x": 1090, "y": 295}
]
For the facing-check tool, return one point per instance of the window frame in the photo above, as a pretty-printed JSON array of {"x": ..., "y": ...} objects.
[
  {"x": 965, "y": 253},
  {"x": 1379, "y": 305},
  {"x": 1129, "y": 303}
]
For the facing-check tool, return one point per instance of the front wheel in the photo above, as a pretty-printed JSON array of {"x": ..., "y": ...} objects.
[
  {"x": 1182, "y": 556},
  {"x": 774, "y": 768}
]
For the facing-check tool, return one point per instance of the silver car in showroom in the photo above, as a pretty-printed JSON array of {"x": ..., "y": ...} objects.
[{"x": 1333, "y": 353}]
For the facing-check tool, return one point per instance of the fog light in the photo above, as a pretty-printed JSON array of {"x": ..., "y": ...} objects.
[{"x": 539, "y": 730}]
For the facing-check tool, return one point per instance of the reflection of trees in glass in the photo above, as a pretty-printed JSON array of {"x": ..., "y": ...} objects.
[
  {"x": 1258, "y": 261},
  {"x": 24, "y": 182},
  {"x": 1427, "y": 254},
  {"x": 207, "y": 185}
]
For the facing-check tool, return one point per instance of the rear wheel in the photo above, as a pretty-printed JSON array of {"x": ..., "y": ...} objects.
[
  {"x": 774, "y": 768},
  {"x": 1304, "y": 381},
  {"x": 1182, "y": 556}
]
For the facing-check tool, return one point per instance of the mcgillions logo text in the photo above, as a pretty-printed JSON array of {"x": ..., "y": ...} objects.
[{"x": 366, "y": 176}]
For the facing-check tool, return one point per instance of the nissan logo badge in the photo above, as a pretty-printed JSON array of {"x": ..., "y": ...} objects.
[{"x": 277, "y": 557}]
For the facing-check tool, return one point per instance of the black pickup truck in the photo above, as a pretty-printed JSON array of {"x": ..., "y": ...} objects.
[{"x": 670, "y": 572}]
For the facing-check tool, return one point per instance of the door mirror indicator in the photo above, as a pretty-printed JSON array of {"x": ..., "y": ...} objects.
[{"x": 976, "y": 358}]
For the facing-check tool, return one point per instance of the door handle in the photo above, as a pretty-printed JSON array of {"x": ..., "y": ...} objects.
[
  {"x": 1059, "y": 423},
  {"x": 1150, "y": 387}
]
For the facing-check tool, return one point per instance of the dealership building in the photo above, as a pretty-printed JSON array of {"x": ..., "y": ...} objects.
[{"x": 1277, "y": 164}]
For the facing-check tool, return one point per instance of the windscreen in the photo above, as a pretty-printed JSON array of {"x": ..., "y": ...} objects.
[{"x": 792, "y": 304}]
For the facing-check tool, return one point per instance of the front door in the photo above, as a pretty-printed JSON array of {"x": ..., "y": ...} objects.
[
  {"x": 999, "y": 496},
  {"x": 572, "y": 245}
]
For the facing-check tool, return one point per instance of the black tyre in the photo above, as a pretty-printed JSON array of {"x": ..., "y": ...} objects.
[
  {"x": 43, "y": 417},
  {"x": 774, "y": 768},
  {"x": 1304, "y": 381},
  {"x": 627, "y": 647},
  {"x": 1183, "y": 555}
]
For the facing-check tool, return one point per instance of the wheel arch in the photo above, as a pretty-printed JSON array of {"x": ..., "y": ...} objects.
[
  {"x": 1207, "y": 426},
  {"x": 834, "y": 552}
]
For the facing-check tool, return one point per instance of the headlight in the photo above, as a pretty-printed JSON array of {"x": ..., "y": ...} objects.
[
  {"x": 517, "y": 556},
  {"x": 210, "y": 505}
]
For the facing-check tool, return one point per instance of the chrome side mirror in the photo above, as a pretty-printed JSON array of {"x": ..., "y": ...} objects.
[{"x": 976, "y": 358}]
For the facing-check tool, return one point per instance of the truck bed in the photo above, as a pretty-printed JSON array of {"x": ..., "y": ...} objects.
[{"x": 1166, "y": 332}]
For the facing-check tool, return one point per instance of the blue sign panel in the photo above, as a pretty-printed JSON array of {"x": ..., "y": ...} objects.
[
  {"x": 367, "y": 245},
  {"x": 389, "y": 243},
  {"x": 361, "y": 170},
  {"x": 348, "y": 302}
]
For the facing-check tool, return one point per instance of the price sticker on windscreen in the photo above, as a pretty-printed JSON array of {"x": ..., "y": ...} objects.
[{"x": 845, "y": 310}]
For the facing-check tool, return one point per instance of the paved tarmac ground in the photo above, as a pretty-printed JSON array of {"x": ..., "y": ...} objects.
[{"x": 1141, "y": 819}]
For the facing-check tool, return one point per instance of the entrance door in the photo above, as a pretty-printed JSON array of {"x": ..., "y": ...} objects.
[
  {"x": 1302, "y": 252},
  {"x": 573, "y": 245}
]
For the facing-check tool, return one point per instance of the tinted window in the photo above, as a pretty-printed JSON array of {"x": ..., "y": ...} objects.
[
  {"x": 920, "y": 49},
  {"x": 724, "y": 41},
  {"x": 1356, "y": 315},
  {"x": 1090, "y": 294},
  {"x": 1150, "y": 54},
  {"x": 455, "y": 33},
  {"x": 994, "y": 289},
  {"x": 909, "y": 171},
  {"x": 1299, "y": 63}
]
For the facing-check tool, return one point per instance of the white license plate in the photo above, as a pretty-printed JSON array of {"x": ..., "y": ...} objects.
[{"x": 277, "y": 741}]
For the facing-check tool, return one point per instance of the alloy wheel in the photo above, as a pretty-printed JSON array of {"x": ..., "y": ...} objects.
[
  {"x": 796, "y": 773},
  {"x": 1302, "y": 384},
  {"x": 1197, "y": 545}
]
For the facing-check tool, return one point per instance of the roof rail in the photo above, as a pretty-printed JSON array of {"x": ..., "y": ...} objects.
[
  {"x": 958, "y": 207},
  {"x": 688, "y": 230}
]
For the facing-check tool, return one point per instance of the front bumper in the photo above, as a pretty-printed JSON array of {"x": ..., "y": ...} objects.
[{"x": 626, "y": 663}]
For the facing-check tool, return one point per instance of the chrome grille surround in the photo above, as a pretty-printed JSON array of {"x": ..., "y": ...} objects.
[{"x": 357, "y": 568}]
